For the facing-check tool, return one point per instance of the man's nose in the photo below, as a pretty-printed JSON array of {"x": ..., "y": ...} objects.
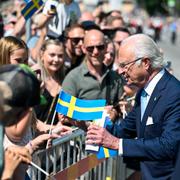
[
  {"x": 121, "y": 70},
  {"x": 95, "y": 51},
  {"x": 108, "y": 56},
  {"x": 80, "y": 42}
]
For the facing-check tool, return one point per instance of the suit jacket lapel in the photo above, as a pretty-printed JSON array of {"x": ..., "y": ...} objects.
[
  {"x": 156, "y": 95},
  {"x": 151, "y": 104},
  {"x": 138, "y": 110}
]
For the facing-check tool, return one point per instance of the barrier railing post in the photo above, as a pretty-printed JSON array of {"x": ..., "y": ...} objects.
[
  {"x": 55, "y": 160},
  {"x": 70, "y": 161}
]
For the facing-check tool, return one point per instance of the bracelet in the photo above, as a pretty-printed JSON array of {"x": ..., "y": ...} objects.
[
  {"x": 30, "y": 143},
  {"x": 31, "y": 147}
]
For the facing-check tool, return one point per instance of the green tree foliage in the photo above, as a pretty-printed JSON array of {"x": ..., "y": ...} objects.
[{"x": 155, "y": 7}]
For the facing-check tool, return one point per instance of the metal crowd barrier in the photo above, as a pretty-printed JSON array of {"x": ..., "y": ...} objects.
[{"x": 68, "y": 160}]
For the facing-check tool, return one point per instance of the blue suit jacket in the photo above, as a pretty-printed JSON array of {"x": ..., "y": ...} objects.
[
  {"x": 176, "y": 174},
  {"x": 156, "y": 144}
]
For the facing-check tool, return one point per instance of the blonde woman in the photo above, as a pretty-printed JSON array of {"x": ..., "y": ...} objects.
[
  {"x": 51, "y": 71},
  {"x": 13, "y": 51}
]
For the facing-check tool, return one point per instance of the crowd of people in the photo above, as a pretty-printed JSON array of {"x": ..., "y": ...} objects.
[{"x": 90, "y": 55}]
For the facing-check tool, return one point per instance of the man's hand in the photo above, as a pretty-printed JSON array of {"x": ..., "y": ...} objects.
[
  {"x": 64, "y": 120},
  {"x": 70, "y": 122},
  {"x": 62, "y": 130},
  {"x": 100, "y": 136}
]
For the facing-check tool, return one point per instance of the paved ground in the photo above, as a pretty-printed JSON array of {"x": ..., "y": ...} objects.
[{"x": 171, "y": 52}]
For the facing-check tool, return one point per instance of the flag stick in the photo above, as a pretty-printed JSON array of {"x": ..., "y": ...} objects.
[
  {"x": 40, "y": 169},
  {"x": 52, "y": 122},
  {"x": 50, "y": 130}
]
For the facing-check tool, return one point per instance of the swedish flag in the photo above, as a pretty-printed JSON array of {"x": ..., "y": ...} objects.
[
  {"x": 79, "y": 109},
  {"x": 31, "y": 7},
  {"x": 106, "y": 152}
]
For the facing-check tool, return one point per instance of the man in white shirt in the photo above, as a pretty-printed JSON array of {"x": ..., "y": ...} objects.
[{"x": 59, "y": 15}]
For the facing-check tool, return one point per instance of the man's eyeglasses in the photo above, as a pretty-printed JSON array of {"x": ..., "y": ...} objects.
[
  {"x": 123, "y": 65},
  {"x": 99, "y": 48},
  {"x": 76, "y": 40}
]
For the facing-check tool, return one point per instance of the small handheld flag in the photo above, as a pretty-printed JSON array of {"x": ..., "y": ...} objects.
[
  {"x": 106, "y": 152},
  {"x": 79, "y": 109},
  {"x": 31, "y": 7}
]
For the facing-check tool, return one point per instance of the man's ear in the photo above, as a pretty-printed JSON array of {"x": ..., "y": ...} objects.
[
  {"x": 146, "y": 62},
  {"x": 66, "y": 40}
]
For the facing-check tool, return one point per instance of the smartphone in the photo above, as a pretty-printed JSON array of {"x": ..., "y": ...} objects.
[{"x": 52, "y": 10}]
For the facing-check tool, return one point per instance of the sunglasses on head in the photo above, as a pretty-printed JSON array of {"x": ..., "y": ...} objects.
[
  {"x": 76, "y": 40},
  {"x": 98, "y": 47}
]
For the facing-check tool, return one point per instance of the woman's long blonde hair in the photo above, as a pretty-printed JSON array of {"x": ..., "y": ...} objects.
[{"x": 8, "y": 45}]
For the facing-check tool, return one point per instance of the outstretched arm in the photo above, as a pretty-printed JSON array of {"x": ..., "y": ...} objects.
[{"x": 13, "y": 156}]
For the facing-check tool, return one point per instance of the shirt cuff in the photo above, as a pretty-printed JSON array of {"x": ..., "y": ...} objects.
[{"x": 120, "y": 152}]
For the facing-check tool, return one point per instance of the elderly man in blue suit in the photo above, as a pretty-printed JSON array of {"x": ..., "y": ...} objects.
[
  {"x": 176, "y": 174},
  {"x": 151, "y": 131}
]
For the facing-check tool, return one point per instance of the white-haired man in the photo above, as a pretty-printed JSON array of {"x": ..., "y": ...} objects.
[{"x": 151, "y": 132}]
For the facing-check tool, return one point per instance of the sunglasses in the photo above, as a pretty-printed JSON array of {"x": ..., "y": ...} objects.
[
  {"x": 98, "y": 47},
  {"x": 76, "y": 40}
]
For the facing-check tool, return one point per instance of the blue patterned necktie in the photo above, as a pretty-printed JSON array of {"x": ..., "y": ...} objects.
[{"x": 144, "y": 102}]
